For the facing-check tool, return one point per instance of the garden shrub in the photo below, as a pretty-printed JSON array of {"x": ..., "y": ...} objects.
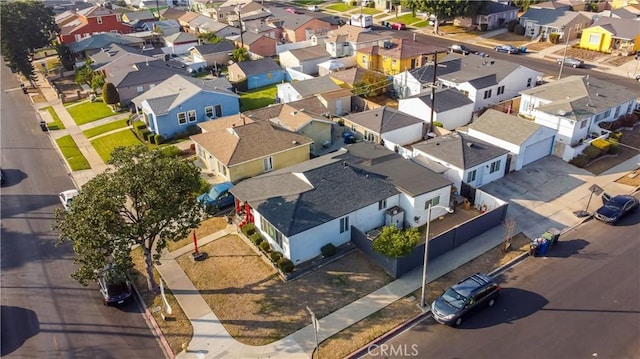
[
  {"x": 518, "y": 30},
  {"x": 139, "y": 125},
  {"x": 601, "y": 144},
  {"x": 438, "y": 124},
  {"x": 328, "y": 250},
  {"x": 580, "y": 161},
  {"x": 353, "y": 3},
  {"x": 613, "y": 149},
  {"x": 616, "y": 135},
  {"x": 371, "y": 5},
  {"x": 158, "y": 139},
  {"x": 512, "y": 24},
  {"x": 285, "y": 264},
  {"x": 554, "y": 38},
  {"x": 592, "y": 152},
  {"x": 265, "y": 246},
  {"x": 275, "y": 256},
  {"x": 170, "y": 151},
  {"x": 256, "y": 238},
  {"x": 249, "y": 229}
]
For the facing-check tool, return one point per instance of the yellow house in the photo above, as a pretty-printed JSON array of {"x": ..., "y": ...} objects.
[
  {"x": 247, "y": 149},
  {"x": 612, "y": 35},
  {"x": 392, "y": 58},
  {"x": 617, "y": 4}
]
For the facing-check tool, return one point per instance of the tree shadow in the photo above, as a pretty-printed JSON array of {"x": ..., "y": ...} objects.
[
  {"x": 18, "y": 325},
  {"x": 12, "y": 176}
]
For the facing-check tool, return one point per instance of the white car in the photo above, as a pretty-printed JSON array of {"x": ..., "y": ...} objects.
[
  {"x": 314, "y": 8},
  {"x": 67, "y": 196}
]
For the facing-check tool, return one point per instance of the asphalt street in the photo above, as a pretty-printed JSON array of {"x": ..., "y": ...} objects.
[
  {"x": 581, "y": 301},
  {"x": 45, "y": 313}
]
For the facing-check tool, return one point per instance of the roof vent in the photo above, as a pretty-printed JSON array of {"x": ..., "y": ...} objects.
[
  {"x": 469, "y": 144},
  {"x": 562, "y": 112}
]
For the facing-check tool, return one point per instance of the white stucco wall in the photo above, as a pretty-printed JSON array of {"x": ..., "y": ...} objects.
[{"x": 404, "y": 136}]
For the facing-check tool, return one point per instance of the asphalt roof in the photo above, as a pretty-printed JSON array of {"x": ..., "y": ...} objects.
[
  {"x": 97, "y": 41},
  {"x": 223, "y": 46},
  {"x": 383, "y": 119},
  {"x": 310, "y": 53},
  {"x": 626, "y": 29},
  {"x": 550, "y": 17},
  {"x": 255, "y": 67},
  {"x": 500, "y": 125},
  {"x": 314, "y": 86},
  {"x": 460, "y": 150},
  {"x": 309, "y": 194},
  {"x": 445, "y": 99},
  {"x": 141, "y": 73}
]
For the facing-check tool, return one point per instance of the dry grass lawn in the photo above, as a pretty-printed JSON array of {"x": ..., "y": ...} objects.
[
  {"x": 207, "y": 227},
  {"x": 631, "y": 179},
  {"x": 620, "y": 60},
  {"x": 363, "y": 332},
  {"x": 537, "y": 46},
  {"x": 604, "y": 163},
  {"x": 257, "y": 307},
  {"x": 511, "y": 38},
  {"x": 587, "y": 55}
]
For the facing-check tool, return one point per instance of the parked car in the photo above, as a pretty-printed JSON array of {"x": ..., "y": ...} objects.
[
  {"x": 460, "y": 49},
  {"x": 66, "y": 197},
  {"x": 217, "y": 197},
  {"x": 398, "y": 26},
  {"x": 291, "y": 10},
  {"x": 462, "y": 298},
  {"x": 314, "y": 8},
  {"x": 509, "y": 49},
  {"x": 615, "y": 207},
  {"x": 114, "y": 287},
  {"x": 571, "y": 61}
]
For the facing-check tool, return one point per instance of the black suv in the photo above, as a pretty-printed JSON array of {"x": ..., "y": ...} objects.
[
  {"x": 463, "y": 297},
  {"x": 114, "y": 287}
]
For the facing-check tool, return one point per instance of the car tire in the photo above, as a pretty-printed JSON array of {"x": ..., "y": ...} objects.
[
  {"x": 574, "y": 66},
  {"x": 457, "y": 322},
  {"x": 492, "y": 302}
]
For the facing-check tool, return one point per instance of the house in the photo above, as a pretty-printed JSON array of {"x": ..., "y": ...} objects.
[
  {"x": 305, "y": 60},
  {"x": 186, "y": 18},
  {"x": 612, "y": 35},
  {"x": 347, "y": 78},
  {"x": 173, "y": 107},
  {"x": 451, "y": 108},
  {"x": 525, "y": 140},
  {"x": 263, "y": 27},
  {"x": 257, "y": 45},
  {"x": 303, "y": 207},
  {"x": 219, "y": 29},
  {"x": 228, "y": 8},
  {"x": 575, "y": 106},
  {"x": 138, "y": 17},
  {"x": 392, "y": 58},
  {"x": 76, "y": 25},
  {"x": 180, "y": 42},
  {"x": 467, "y": 161},
  {"x": 247, "y": 12},
  {"x": 171, "y": 13},
  {"x": 337, "y": 65},
  {"x": 122, "y": 56},
  {"x": 544, "y": 22},
  {"x": 162, "y": 27},
  {"x": 347, "y": 39},
  {"x": 298, "y": 27},
  {"x": 293, "y": 91},
  {"x": 95, "y": 43},
  {"x": 490, "y": 16},
  {"x": 386, "y": 126},
  {"x": 213, "y": 55},
  {"x": 248, "y": 150},
  {"x": 257, "y": 73},
  {"x": 132, "y": 81}
]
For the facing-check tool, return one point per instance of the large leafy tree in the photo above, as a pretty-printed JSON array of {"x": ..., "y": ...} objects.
[
  {"x": 24, "y": 27},
  {"x": 239, "y": 54},
  {"x": 144, "y": 198},
  {"x": 396, "y": 243},
  {"x": 110, "y": 94}
]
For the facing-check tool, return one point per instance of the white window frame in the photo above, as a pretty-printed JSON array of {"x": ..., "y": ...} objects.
[
  {"x": 495, "y": 166},
  {"x": 192, "y": 116},
  {"x": 268, "y": 164},
  {"x": 471, "y": 176},
  {"x": 434, "y": 202},
  {"x": 382, "y": 205},
  {"x": 344, "y": 224},
  {"x": 140, "y": 89},
  {"x": 208, "y": 111},
  {"x": 182, "y": 115}
]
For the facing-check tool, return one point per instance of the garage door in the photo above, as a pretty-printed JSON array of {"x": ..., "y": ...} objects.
[{"x": 537, "y": 151}]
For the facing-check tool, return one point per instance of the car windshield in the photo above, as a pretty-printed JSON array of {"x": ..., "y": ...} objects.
[
  {"x": 454, "y": 298},
  {"x": 213, "y": 193},
  {"x": 118, "y": 288}
]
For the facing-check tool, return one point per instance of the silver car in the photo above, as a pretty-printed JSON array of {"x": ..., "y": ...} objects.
[
  {"x": 509, "y": 49},
  {"x": 571, "y": 61}
]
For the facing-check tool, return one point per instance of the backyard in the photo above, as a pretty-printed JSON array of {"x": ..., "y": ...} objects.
[{"x": 258, "y": 98}]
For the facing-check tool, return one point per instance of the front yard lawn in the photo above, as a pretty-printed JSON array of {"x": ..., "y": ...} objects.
[
  {"x": 57, "y": 123},
  {"x": 98, "y": 130},
  {"x": 72, "y": 154},
  {"x": 106, "y": 144},
  {"x": 258, "y": 98},
  {"x": 340, "y": 7},
  {"x": 366, "y": 11},
  {"x": 89, "y": 111},
  {"x": 408, "y": 19}
]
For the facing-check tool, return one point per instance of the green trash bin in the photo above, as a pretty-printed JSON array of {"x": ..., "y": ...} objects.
[{"x": 552, "y": 235}]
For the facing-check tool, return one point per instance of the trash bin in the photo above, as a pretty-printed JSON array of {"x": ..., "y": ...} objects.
[
  {"x": 551, "y": 235},
  {"x": 523, "y": 49},
  {"x": 544, "y": 246}
]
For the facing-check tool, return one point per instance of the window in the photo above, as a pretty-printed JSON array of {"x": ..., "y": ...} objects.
[
  {"x": 344, "y": 224},
  {"x": 218, "y": 110},
  {"x": 182, "y": 118},
  {"x": 118, "y": 18},
  {"x": 583, "y": 123},
  {"x": 270, "y": 230},
  {"x": 364, "y": 60},
  {"x": 114, "y": 31},
  {"x": 394, "y": 63},
  {"x": 594, "y": 39},
  {"x": 99, "y": 19},
  {"x": 208, "y": 111},
  {"x": 607, "y": 113},
  {"x": 529, "y": 82},
  {"x": 191, "y": 115},
  {"x": 152, "y": 86},
  {"x": 471, "y": 176},
  {"x": 434, "y": 202},
  {"x": 413, "y": 63},
  {"x": 495, "y": 166},
  {"x": 617, "y": 112},
  {"x": 487, "y": 94},
  {"x": 139, "y": 89},
  {"x": 268, "y": 163},
  {"x": 382, "y": 204},
  {"x": 500, "y": 90}
]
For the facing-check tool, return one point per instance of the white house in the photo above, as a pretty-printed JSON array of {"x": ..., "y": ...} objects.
[
  {"x": 301, "y": 208},
  {"x": 386, "y": 126},
  {"x": 451, "y": 108},
  {"x": 575, "y": 106},
  {"x": 294, "y": 91},
  {"x": 305, "y": 60},
  {"x": 347, "y": 39},
  {"x": 525, "y": 140},
  {"x": 468, "y": 160},
  {"x": 486, "y": 81}
]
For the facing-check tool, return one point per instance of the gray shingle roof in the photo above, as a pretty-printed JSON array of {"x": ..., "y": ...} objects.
[
  {"x": 223, "y": 46},
  {"x": 383, "y": 119},
  {"x": 579, "y": 97},
  {"x": 310, "y": 53},
  {"x": 626, "y": 29},
  {"x": 505, "y": 127},
  {"x": 289, "y": 21},
  {"x": 139, "y": 15},
  {"x": 149, "y": 72},
  {"x": 98, "y": 41},
  {"x": 460, "y": 150},
  {"x": 551, "y": 17},
  {"x": 492, "y": 7},
  {"x": 478, "y": 71},
  {"x": 315, "y": 86},
  {"x": 255, "y": 67},
  {"x": 446, "y": 99}
]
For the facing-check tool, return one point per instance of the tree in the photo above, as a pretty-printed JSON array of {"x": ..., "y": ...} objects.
[
  {"x": 98, "y": 82},
  {"x": 525, "y": 4},
  {"x": 110, "y": 95},
  {"x": 84, "y": 74},
  {"x": 210, "y": 37},
  {"x": 144, "y": 198},
  {"x": 445, "y": 9},
  {"x": 395, "y": 243},
  {"x": 240, "y": 54},
  {"x": 24, "y": 27},
  {"x": 66, "y": 56}
]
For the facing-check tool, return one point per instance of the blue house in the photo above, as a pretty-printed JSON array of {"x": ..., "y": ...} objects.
[
  {"x": 257, "y": 73},
  {"x": 174, "y": 107}
]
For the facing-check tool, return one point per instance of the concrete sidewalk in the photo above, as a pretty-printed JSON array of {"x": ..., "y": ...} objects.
[{"x": 211, "y": 340}]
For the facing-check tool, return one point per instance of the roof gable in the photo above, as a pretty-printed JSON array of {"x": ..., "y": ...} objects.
[{"x": 383, "y": 119}]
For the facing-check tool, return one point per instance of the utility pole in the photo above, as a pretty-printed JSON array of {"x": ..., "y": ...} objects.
[
  {"x": 433, "y": 90},
  {"x": 564, "y": 55},
  {"x": 240, "y": 21}
]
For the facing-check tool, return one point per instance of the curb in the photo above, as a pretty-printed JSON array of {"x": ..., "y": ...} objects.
[{"x": 151, "y": 321}]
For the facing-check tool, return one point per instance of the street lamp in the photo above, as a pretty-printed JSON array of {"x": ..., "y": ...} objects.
[{"x": 426, "y": 252}]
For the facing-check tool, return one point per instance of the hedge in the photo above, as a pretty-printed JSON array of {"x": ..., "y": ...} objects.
[
  {"x": 592, "y": 152},
  {"x": 248, "y": 229},
  {"x": 285, "y": 264},
  {"x": 275, "y": 256},
  {"x": 580, "y": 160},
  {"x": 328, "y": 250},
  {"x": 512, "y": 24},
  {"x": 265, "y": 246},
  {"x": 256, "y": 238}
]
